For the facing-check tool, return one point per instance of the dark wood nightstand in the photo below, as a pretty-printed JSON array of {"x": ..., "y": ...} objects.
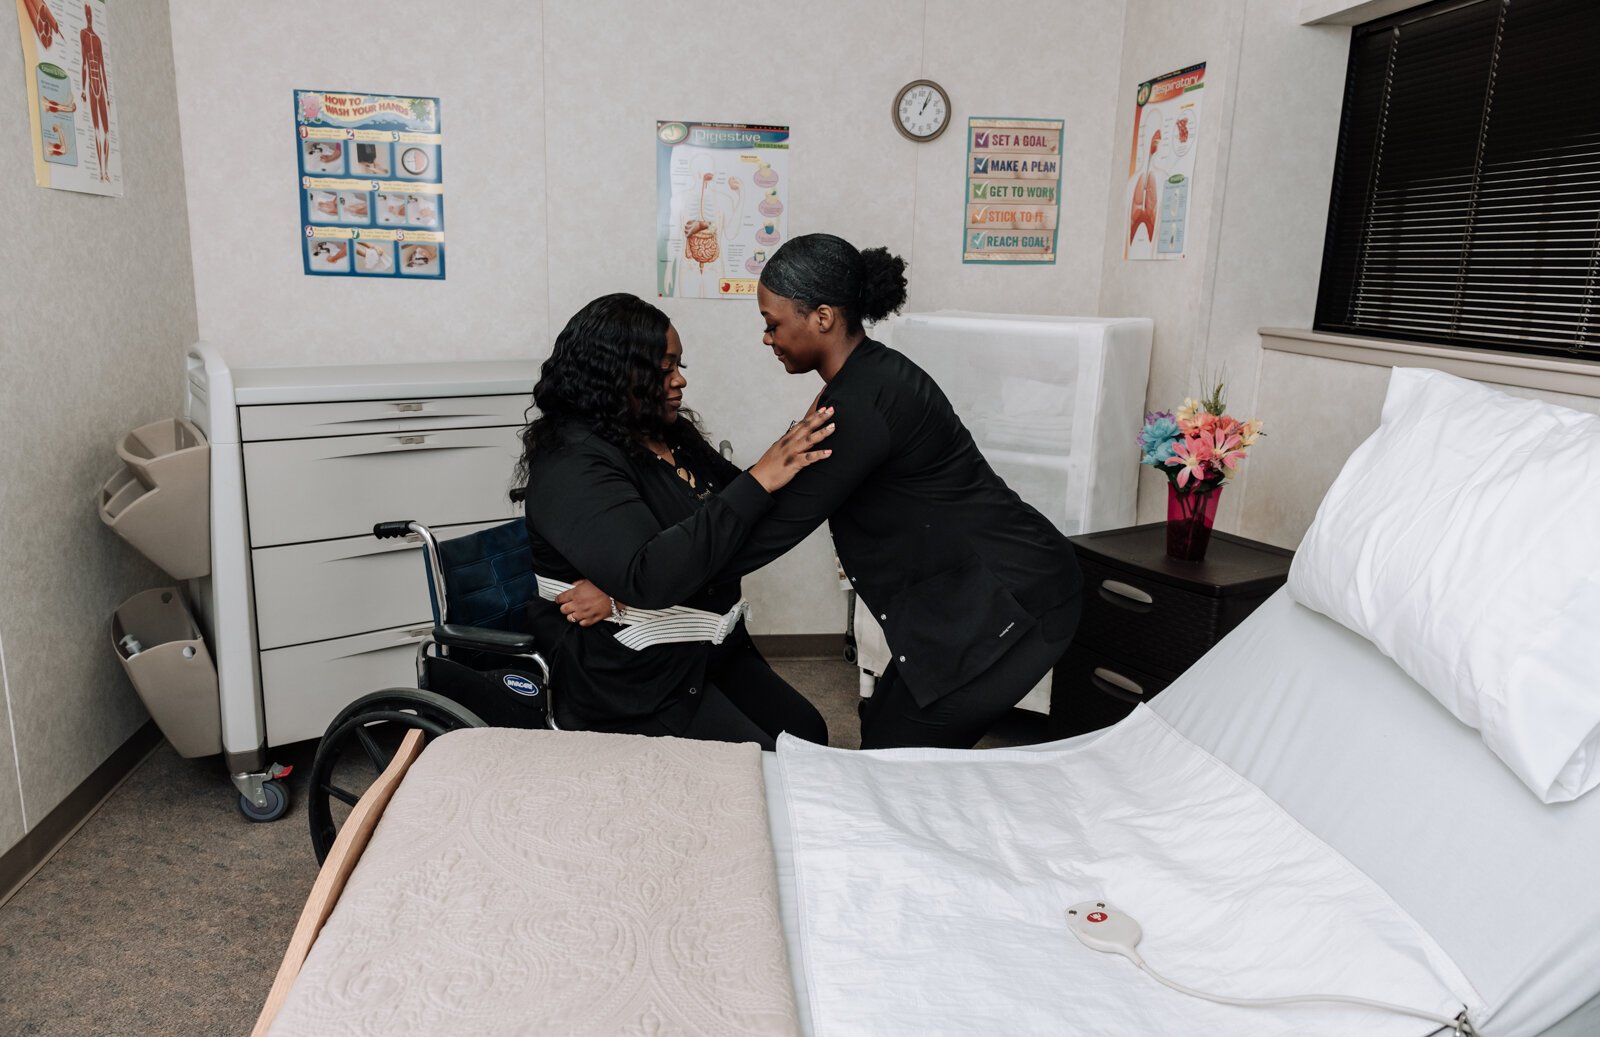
[{"x": 1147, "y": 618}]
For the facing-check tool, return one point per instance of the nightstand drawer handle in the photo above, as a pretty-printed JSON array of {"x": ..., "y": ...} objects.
[
  {"x": 1126, "y": 595},
  {"x": 1116, "y": 685}
]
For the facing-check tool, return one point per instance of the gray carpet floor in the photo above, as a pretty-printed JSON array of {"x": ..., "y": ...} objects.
[{"x": 167, "y": 913}]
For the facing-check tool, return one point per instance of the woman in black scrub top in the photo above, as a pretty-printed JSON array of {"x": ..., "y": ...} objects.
[
  {"x": 977, "y": 592},
  {"x": 622, "y": 488}
]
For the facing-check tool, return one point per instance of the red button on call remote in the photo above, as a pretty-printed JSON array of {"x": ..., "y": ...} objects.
[{"x": 1097, "y": 916}]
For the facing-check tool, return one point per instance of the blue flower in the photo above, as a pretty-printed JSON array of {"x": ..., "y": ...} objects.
[{"x": 1157, "y": 438}]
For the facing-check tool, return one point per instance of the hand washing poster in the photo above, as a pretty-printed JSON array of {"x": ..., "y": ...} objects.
[
  {"x": 1013, "y": 209},
  {"x": 720, "y": 209},
  {"x": 72, "y": 114},
  {"x": 1166, "y": 131},
  {"x": 371, "y": 185}
]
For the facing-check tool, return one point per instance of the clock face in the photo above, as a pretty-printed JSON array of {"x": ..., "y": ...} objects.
[
  {"x": 415, "y": 161},
  {"x": 922, "y": 110}
]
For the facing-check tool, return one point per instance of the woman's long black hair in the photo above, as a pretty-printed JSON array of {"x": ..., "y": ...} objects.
[{"x": 605, "y": 373}]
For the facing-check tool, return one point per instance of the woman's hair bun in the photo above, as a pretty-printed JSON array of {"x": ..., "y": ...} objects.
[{"x": 883, "y": 284}]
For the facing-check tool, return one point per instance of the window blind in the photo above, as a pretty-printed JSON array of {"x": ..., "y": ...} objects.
[{"x": 1466, "y": 193}]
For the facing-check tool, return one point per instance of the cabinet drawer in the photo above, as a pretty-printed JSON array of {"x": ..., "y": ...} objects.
[
  {"x": 319, "y": 489},
  {"x": 303, "y": 688},
  {"x": 361, "y": 417},
  {"x": 1091, "y": 692},
  {"x": 1126, "y": 616},
  {"x": 330, "y": 588}
]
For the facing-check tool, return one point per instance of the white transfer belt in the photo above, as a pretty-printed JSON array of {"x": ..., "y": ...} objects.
[{"x": 680, "y": 624}]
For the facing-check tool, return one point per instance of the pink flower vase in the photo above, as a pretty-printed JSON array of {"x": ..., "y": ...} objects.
[{"x": 1190, "y": 514}]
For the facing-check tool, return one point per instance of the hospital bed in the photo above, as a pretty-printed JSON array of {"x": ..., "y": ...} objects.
[{"x": 1491, "y": 890}]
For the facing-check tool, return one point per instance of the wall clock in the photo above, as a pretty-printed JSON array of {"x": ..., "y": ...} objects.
[{"x": 921, "y": 110}]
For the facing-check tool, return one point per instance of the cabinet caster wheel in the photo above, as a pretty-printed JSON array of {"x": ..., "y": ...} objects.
[
  {"x": 277, "y": 803},
  {"x": 849, "y": 653}
]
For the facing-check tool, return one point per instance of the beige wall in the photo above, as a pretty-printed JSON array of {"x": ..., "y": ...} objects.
[
  {"x": 552, "y": 201},
  {"x": 237, "y": 66},
  {"x": 1328, "y": 408},
  {"x": 1273, "y": 97},
  {"x": 1163, "y": 36},
  {"x": 1290, "y": 93},
  {"x": 95, "y": 311}
]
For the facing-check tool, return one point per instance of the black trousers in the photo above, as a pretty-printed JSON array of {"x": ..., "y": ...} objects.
[
  {"x": 892, "y": 719},
  {"x": 743, "y": 700}
]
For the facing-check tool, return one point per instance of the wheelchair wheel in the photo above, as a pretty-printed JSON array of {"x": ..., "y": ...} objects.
[{"x": 360, "y": 743}]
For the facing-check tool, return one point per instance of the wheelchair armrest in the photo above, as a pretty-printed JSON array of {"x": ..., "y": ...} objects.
[{"x": 483, "y": 639}]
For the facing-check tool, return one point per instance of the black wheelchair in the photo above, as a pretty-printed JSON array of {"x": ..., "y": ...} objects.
[{"x": 478, "y": 668}]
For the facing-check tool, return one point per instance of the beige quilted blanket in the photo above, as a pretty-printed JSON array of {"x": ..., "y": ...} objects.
[{"x": 571, "y": 883}]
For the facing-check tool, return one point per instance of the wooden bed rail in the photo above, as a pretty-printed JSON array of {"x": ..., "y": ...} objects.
[{"x": 347, "y": 847}]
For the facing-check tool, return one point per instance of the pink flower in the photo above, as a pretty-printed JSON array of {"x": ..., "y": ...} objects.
[
  {"x": 1192, "y": 455},
  {"x": 1209, "y": 445},
  {"x": 1224, "y": 450}
]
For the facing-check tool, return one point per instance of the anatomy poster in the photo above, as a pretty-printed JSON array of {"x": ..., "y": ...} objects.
[
  {"x": 371, "y": 185},
  {"x": 720, "y": 206},
  {"x": 72, "y": 113},
  {"x": 1166, "y": 131},
  {"x": 1013, "y": 190}
]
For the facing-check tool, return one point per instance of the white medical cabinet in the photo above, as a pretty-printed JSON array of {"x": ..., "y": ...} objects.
[{"x": 303, "y": 610}]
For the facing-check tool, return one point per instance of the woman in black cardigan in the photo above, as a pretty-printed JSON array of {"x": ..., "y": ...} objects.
[
  {"x": 977, "y": 592},
  {"x": 622, "y": 488}
]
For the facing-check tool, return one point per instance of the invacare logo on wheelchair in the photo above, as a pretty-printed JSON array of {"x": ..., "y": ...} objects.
[{"x": 520, "y": 684}]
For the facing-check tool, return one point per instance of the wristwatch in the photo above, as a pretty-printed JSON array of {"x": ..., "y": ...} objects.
[{"x": 619, "y": 613}]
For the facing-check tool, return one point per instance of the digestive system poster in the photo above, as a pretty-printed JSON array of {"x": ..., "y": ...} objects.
[
  {"x": 1166, "y": 133},
  {"x": 371, "y": 185},
  {"x": 72, "y": 111},
  {"x": 1013, "y": 190},
  {"x": 720, "y": 206}
]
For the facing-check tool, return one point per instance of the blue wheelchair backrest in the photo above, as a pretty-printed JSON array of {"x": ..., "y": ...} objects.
[{"x": 488, "y": 578}]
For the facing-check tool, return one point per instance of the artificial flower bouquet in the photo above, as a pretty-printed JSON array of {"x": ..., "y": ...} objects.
[{"x": 1199, "y": 447}]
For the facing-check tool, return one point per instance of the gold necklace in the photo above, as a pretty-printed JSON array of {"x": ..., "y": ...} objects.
[{"x": 666, "y": 456}]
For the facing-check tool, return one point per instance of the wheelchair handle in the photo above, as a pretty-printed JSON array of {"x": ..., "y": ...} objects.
[{"x": 430, "y": 553}]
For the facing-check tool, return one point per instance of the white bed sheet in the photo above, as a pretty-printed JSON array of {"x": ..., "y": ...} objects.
[
  {"x": 955, "y": 925},
  {"x": 1335, "y": 732},
  {"x": 1367, "y": 760}
]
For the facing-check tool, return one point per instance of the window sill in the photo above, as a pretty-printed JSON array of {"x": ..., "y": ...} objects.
[
  {"x": 1547, "y": 374},
  {"x": 1350, "y": 12}
]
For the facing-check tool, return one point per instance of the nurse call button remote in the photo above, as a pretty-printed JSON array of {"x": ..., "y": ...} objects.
[{"x": 1104, "y": 928}]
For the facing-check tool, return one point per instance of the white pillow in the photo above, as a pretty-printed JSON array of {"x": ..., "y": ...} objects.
[{"x": 1463, "y": 539}]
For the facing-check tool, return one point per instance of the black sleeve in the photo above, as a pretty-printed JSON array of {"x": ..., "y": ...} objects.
[
  {"x": 860, "y": 444},
  {"x": 587, "y": 506}
]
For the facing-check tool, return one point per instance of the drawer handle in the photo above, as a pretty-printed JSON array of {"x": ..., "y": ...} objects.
[
  {"x": 1116, "y": 685},
  {"x": 358, "y": 552},
  {"x": 413, "y": 440},
  {"x": 1125, "y": 595},
  {"x": 408, "y": 408},
  {"x": 409, "y": 637}
]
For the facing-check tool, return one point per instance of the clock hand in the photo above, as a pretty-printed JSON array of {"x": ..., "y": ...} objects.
[{"x": 925, "y": 101}]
